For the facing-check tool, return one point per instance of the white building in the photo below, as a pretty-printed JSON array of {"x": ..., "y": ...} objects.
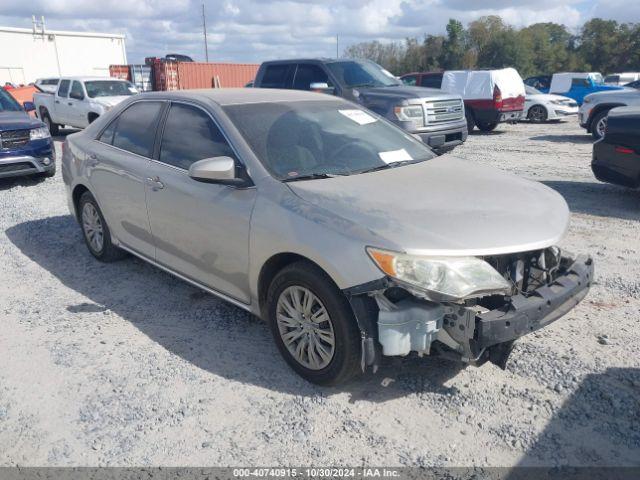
[{"x": 27, "y": 54}]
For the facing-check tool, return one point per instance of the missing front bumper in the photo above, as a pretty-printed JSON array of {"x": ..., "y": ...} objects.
[{"x": 469, "y": 333}]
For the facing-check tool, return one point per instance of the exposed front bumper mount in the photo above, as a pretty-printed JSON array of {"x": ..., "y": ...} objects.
[{"x": 524, "y": 315}]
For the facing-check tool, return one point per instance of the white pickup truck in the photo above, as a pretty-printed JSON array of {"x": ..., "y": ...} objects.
[{"x": 78, "y": 101}]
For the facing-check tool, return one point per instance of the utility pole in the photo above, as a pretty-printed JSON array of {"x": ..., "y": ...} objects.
[
  {"x": 204, "y": 29},
  {"x": 337, "y": 44}
]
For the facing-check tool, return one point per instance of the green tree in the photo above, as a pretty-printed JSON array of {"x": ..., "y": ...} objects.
[{"x": 454, "y": 46}]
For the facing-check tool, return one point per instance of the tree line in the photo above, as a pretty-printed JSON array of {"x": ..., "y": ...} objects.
[{"x": 543, "y": 48}]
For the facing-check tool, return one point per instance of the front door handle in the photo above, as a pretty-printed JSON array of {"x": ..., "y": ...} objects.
[
  {"x": 155, "y": 183},
  {"x": 70, "y": 104}
]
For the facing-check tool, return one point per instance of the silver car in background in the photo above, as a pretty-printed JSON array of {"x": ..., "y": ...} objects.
[{"x": 343, "y": 232}]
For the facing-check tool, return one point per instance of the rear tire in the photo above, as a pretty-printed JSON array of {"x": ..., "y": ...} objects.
[
  {"x": 340, "y": 361},
  {"x": 487, "y": 126},
  {"x": 599, "y": 124},
  {"x": 96, "y": 231},
  {"x": 471, "y": 121}
]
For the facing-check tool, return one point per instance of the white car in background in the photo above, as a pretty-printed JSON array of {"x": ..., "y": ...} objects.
[
  {"x": 49, "y": 85},
  {"x": 540, "y": 107}
]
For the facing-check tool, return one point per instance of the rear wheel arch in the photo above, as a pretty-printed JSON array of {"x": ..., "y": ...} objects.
[{"x": 78, "y": 191}]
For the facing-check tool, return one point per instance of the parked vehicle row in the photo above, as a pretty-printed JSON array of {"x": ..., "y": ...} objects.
[
  {"x": 333, "y": 224},
  {"x": 437, "y": 118},
  {"x": 575, "y": 85},
  {"x": 595, "y": 109}
]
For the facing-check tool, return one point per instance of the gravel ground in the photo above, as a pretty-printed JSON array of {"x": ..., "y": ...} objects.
[{"x": 121, "y": 364}]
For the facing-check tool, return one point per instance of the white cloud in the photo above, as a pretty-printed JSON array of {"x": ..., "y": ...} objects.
[{"x": 254, "y": 30}]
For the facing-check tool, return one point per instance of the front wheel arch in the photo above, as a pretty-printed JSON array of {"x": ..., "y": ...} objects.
[{"x": 271, "y": 268}]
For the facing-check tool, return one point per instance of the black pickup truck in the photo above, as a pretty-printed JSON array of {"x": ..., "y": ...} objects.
[{"x": 437, "y": 118}]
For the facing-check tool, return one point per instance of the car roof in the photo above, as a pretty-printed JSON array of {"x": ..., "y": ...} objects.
[
  {"x": 89, "y": 78},
  {"x": 295, "y": 60},
  {"x": 234, "y": 96}
]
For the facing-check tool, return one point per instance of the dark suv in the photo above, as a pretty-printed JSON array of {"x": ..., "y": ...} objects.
[
  {"x": 437, "y": 118},
  {"x": 26, "y": 147}
]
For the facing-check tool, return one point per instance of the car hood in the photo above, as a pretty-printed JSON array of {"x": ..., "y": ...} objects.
[
  {"x": 110, "y": 101},
  {"x": 17, "y": 121},
  {"x": 406, "y": 92},
  {"x": 625, "y": 93},
  {"x": 444, "y": 206}
]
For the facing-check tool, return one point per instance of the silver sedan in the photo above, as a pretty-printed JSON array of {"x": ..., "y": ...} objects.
[{"x": 347, "y": 235}]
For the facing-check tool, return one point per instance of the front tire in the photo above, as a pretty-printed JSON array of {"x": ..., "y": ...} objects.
[
  {"x": 487, "y": 126},
  {"x": 54, "y": 128},
  {"x": 96, "y": 231},
  {"x": 537, "y": 114},
  {"x": 599, "y": 124},
  {"x": 313, "y": 325}
]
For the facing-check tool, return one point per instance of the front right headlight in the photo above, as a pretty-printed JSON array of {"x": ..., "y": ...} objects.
[{"x": 451, "y": 278}]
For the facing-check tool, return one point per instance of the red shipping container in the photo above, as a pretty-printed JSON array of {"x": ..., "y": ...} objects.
[
  {"x": 215, "y": 75},
  {"x": 165, "y": 75},
  {"x": 120, "y": 71}
]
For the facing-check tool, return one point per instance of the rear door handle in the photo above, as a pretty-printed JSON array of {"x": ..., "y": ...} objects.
[
  {"x": 92, "y": 160},
  {"x": 70, "y": 104},
  {"x": 155, "y": 183}
]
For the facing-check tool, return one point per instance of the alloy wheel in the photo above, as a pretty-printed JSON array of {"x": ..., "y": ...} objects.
[
  {"x": 601, "y": 126},
  {"x": 537, "y": 113},
  {"x": 305, "y": 327},
  {"x": 92, "y": 227}
]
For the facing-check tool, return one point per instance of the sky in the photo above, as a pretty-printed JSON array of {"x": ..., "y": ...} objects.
[{"x": 257, "y": 30}]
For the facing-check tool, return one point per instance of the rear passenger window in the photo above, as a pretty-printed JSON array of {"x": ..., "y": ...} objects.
[
  {"x": 306, "y": 74},
  {"x": 580, "y": 82},
  {"x": 136, "y": 128},
  {"x": 190, "y": 135},
  {"x": 277, "y": 76},
  {"x": 63, "y": 89},
  {"x": 431, "y": 81},
  {"x": 107, "y": 134}
]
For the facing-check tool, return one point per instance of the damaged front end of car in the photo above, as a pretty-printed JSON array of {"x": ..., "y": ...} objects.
[{"x": 469, "y": 309}]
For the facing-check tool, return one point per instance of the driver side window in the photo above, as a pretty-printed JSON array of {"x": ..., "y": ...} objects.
[
  {"x": 306, "y": 74},
  {"x": 190, "y": 135}
]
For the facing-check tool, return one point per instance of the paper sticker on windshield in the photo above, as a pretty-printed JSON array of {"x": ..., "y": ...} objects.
[
  {"x": 395, "y": 156},
  {"x": 358, "y": 116}
]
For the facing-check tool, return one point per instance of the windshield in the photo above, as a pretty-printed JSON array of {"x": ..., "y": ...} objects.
[
  {"x": 362, "y": 73},
  {"x": 109, "y": 88},
  {"x": 531, "y": 91},
  {"x": 302, "y": 139},
  {"x": 8, "y": 103}
]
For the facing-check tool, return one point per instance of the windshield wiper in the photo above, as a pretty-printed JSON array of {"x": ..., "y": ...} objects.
[
  {"x": 363, "y": 85},
  {"x": 310, "y": 176},
  {"x": 391, "y": 165}
]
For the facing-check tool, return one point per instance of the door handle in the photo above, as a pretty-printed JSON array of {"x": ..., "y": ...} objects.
[
  {"x": 155, "y": 183},
  {"x": 70, "y": 104},
  {"x": 57, "y": 101},
  {"x": 92, "y": 160}
]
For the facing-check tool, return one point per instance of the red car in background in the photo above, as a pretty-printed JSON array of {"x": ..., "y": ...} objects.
[{"x": 490, "y": 96}]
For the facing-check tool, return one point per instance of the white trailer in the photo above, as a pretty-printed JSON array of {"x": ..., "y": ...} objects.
[{"x": 31, "y": 53}]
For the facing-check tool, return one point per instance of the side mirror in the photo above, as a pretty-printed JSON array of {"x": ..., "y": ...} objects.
[
  {"x": 215, "y": 170},
  {"x": 76, "y": 96},
  {"x": 322, "y": 87},
  {"x": 29, "y": 106}
]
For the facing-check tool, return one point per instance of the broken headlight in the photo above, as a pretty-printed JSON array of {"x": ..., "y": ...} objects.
[{"x": 452, "y": 278}]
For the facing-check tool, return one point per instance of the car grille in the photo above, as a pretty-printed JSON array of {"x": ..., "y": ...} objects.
[
  {"x": 443, "y": 111},
  {"x": 15, "y": 167},
  {"x": 14, "y": 139}
]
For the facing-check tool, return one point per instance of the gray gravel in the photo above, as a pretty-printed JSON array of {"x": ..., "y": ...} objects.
[{"x": 122, "y": 364}]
